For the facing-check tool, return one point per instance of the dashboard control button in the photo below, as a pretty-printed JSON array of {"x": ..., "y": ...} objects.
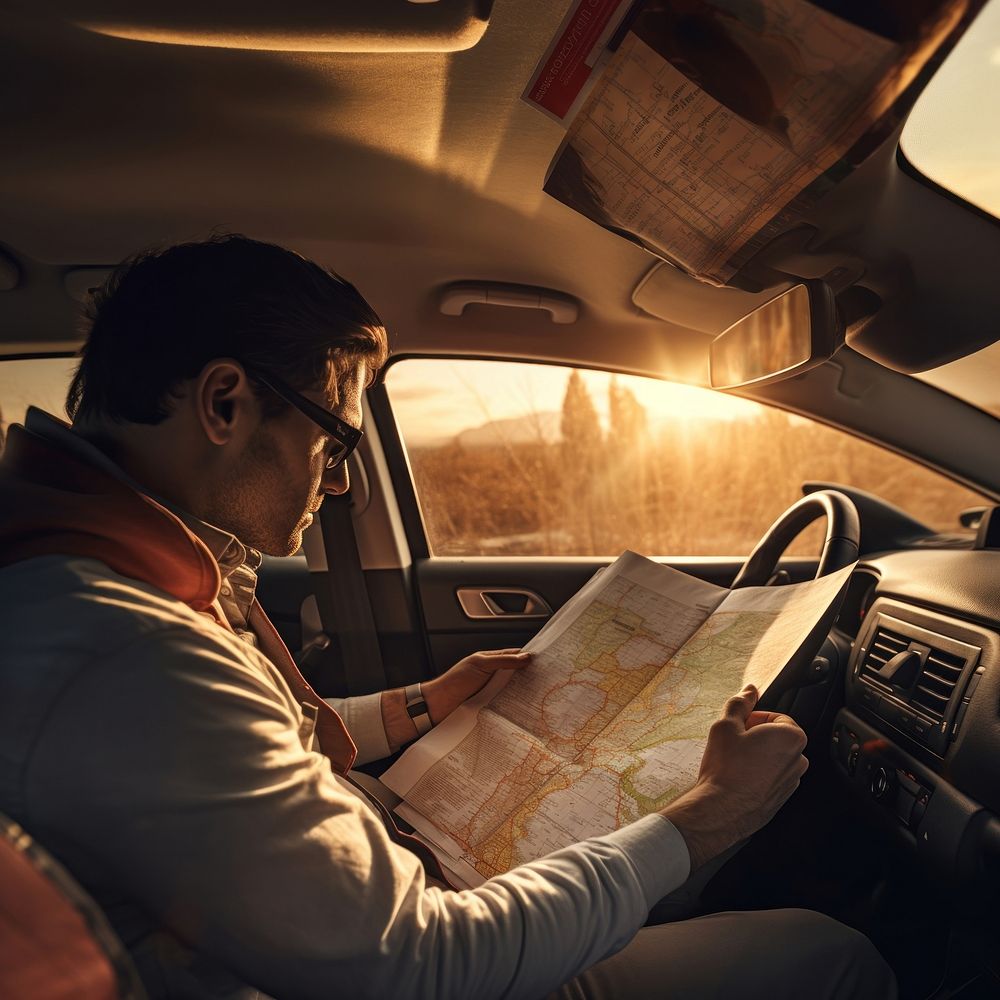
[
  {"x": 919, "y": 808},
  {"x": 974, "y": 682},
  {"x": 908, "y": 782},
  {"x": 904, "y": 805},
  {"x": 870, "y": 697},
  {"x": 920, "y": 728},
  {"x": 819, "y": 670},
  {"x": 853, "y": 755},
  {"x": 960, "y": 715},
  {"x": 890, "y": 711},
  {"x": 881, "y": 783}
]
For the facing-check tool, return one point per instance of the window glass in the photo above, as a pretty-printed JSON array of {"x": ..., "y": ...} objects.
[
  {"x": 951, "y": 136},
  {"x": 40, "y": 382},
  {"x": 975, "y": 379},
  {"x": 528, "y": 459}
]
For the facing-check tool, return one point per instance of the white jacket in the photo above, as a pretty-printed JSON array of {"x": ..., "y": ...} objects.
[{"x": 165, "y": 762}]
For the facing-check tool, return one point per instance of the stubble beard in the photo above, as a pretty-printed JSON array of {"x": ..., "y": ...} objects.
[{"x": 257, "y": 488}]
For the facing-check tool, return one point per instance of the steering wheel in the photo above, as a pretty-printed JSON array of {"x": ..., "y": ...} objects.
[{"x": 840, "y": 548}]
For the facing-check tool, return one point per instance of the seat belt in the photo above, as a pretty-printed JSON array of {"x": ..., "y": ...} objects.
[{"x": 345, "y": 608}]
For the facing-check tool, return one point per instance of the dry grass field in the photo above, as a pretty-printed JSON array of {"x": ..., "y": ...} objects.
[{"x": 687, "y": 487}]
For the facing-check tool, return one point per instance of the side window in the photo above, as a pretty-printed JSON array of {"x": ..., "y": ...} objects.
[
  {"x": 40, "y": 382},
  {"x": 538, "y": 460}
]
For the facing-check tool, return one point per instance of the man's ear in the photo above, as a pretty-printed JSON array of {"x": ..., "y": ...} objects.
[{"x": 223, "y": 399}]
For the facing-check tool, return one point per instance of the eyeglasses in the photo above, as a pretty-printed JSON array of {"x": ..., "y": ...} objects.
[{"x": 346, "y": 436}]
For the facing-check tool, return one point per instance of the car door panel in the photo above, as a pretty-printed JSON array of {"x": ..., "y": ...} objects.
[{"x": 452, "y": 634}]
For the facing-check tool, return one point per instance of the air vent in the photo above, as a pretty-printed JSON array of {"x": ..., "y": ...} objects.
[
  {"x": 918, "y": 695},
  {"x": 885, "y": 645},
  {"x": 937, "y": 682}
]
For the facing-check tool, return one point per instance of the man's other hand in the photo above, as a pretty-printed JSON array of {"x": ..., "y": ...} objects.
[
  {"x": 468, "y": 677},
  {"x": 445, "y": 693},
  {"x": 752, "y": 763}
]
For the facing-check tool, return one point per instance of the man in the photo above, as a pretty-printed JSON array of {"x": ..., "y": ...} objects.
[{"x": 157, "y": 737}]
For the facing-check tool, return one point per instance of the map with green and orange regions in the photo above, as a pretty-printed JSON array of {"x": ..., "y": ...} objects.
[{"x": 610, "y": 720}]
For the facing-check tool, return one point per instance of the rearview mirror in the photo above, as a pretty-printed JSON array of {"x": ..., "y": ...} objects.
[{"x": 793, "y": 332}]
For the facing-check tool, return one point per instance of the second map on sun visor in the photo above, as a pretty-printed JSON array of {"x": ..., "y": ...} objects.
[{"x": 714, "y": 115}]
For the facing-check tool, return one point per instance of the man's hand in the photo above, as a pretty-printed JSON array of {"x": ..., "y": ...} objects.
[
  {"x": 445, "y": 693},
  {"x": 753, "y": 762},
  {"x": 468, "y": 677}
]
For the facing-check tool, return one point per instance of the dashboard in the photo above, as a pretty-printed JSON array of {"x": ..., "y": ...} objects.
[{"x": 918, "y": 739}]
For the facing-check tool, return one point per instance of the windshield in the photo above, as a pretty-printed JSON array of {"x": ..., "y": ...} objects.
[
  {"x": 974, "y": 379},
  {"x": 951, "y": 135}
]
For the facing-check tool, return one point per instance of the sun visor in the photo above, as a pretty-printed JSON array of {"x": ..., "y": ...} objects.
[
  {"x": 298, "y": 26},
  {"x": 670, "y": 294}
]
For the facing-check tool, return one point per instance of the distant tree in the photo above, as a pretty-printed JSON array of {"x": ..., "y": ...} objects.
[
  {"x": 627, "y": 421},
  {"x": 582, "y": 454},
  {"x": 631, "y": 475},
  {"x": 579, "y": 424}
]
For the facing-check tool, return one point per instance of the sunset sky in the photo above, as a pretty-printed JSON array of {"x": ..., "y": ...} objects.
[
  {"x": 953, "y": 133},
  {"x": 436, "y": 399}
]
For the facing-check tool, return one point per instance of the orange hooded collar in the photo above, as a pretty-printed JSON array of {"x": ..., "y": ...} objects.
[
  {"x": 55, "y": 503},
  {"x": 52, "y": 502}
]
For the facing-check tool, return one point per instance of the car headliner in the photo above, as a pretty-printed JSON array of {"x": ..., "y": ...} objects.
[{"x": 410, "y": 170}]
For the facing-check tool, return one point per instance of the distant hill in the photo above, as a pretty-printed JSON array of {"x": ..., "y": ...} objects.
[
  {"x": 544, "y": 426},
  {"x": 514, "y": 430}
]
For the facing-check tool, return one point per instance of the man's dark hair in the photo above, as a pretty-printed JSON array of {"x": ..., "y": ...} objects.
[{"x": 163, "y": 315}]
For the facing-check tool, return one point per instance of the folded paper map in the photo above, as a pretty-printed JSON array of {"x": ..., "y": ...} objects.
[{"x": 609, "y": 721}]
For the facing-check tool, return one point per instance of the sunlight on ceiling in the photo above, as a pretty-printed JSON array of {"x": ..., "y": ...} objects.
[
  {"x": 361, "y": 39},
  {"x": 407, "y": 119},
  {"x": 454, "y": 111}
]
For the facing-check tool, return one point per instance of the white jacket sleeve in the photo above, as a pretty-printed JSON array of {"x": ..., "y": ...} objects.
[
  {"x": 363, "y": 717},
  {"x": 177, "y": 763}
]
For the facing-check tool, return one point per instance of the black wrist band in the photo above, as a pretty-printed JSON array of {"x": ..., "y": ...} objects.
[{"x": 416, "y": 709}]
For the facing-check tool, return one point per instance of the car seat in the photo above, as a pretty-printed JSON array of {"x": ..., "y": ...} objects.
[{"x": 55, "y": 943}]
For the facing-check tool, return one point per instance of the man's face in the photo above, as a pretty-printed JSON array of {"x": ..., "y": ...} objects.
[{"x": 282, "y": 476}]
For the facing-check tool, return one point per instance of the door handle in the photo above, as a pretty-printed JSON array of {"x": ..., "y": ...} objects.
[{"x": 502, "y": 602}]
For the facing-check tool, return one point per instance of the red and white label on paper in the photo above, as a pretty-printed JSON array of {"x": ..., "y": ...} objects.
[{"x": 571, "y": 63}]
